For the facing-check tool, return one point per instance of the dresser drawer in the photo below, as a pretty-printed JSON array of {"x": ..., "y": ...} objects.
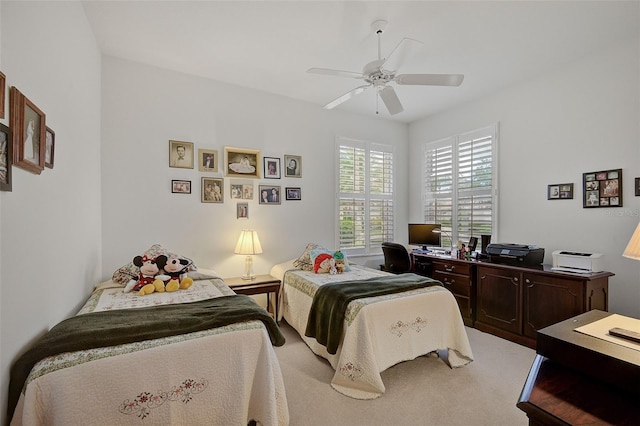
[
  {"x": 456, "y": 283},
  {"x": 455, "y": 267}
]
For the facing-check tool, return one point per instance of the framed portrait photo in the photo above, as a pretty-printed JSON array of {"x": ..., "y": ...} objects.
[
  {"x": 560, "y": 191},
  {"x": 3, "y": 86},
  {"x": 28, "y": 134},
  {"x": 181, "y": 186},
  {"x": 293, "y": 166},
  {"x": 241, "y": 162},
  {"x": 49, "y": 147},
  {"x": 268, "y": 194},
  {"x": 293, "y": 193},
  {"x": 602, "y": 189},
  {"x": 212, "y": 190},
  {"x": 6, "y": 159},
  {"x": 242, "y": 211},
  {"x": 181, "y": 154},
  {"x": 271, "y": 168},
  {"x": 637, "y": 187},
  {"x": 208, "y": 160}
]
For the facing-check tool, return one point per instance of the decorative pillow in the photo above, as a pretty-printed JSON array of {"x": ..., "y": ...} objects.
[
  {"x": 304, "y": 261},
  {"x": 130, "y": 271}
]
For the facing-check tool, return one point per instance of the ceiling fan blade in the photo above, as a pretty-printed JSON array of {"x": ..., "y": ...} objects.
[
  {"x": 430, "y": 79},
  {"x": 398, "y": 55},
  {"x": 391, "y": 100},
  {"x": 334, "y": 103},
  {"x": 337, "y": 73}
]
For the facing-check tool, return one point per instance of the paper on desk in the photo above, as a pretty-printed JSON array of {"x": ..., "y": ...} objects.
[{"x": 600, "y": 329}]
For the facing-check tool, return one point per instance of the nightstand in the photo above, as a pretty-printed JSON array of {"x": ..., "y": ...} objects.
[{"x": 260, "y": 284}]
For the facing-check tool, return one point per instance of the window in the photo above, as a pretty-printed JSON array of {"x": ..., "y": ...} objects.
[
  {"x": 459, "y": 184},
  {"x": 365, "y": 196}
]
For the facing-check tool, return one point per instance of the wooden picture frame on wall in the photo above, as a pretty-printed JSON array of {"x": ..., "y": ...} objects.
[
  {"x": 3, "y": 87},
  {"x": 602, "y": 189},
  {"x": 49, "y": 148},
  {"x": 208, "y": 160},
  {"x": 6, "y": 159},
  {"x": 212, "y": 190},
  {"x": 181, "y": 154},
  {"x": 29, "y": 133},
  {"x": 241, "y": 162}
]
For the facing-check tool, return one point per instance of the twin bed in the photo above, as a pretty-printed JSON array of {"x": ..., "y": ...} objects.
[{"x": 205, "y": 355}]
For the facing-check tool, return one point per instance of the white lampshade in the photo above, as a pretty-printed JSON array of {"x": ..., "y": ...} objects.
[
  {"x": 248, "y": 243},
  {"x": 633, "y": 248}
]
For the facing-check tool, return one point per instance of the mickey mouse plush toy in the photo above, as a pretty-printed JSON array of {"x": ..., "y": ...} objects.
[
  {"x": 176, "y": 269},
  {"x": 148, "y": 279}
]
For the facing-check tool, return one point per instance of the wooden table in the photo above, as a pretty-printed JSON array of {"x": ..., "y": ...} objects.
[{"x": 259, "y": 285}]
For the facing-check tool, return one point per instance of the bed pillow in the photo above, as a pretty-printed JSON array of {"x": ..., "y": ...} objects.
[
  {"x": 130, "y": 271},
  {"x": 304, "y": 261}
]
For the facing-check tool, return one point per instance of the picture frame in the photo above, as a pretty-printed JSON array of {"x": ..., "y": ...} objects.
[
  {"x": 271, "y": 168},
  {"x": 6, "y": 158},
  {"x": 637, "y": 187},
  {"x": 602, "y": 189},
  {"x": 293, "y": 193},
  {"x": 208, "y": 160},
  {"x": 293, "y": 166},
  {"x": 212, "y": 190},
  {"x": 242, "y": 211},
  {"x": 241, "y": 191},
  {"x": 49, "y": 147},
  {"x": 3, "y": 88},
  {"x": 269, "y": 194},
  {"x": 179, "y": 186},
  {"x": 181, "y": 154},
  {"x": 242, "y": 162},
  {"x": 560, "y": 191},
  {"x": 28, "y": 132}
]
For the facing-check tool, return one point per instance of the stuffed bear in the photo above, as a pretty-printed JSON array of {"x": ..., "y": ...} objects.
[
  {"x": 340, "y": 263},
  {"x": 176, "y": 272},
  {"x": 149, "y": 278}
]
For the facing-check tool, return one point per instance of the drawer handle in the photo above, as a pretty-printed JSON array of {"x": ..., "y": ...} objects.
[
  {"x": 449, "y": 268},
  {"x": 515, "y": 279}
]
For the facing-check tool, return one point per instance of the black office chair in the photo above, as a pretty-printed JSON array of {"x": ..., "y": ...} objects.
[{"x": 396, "y": 258}]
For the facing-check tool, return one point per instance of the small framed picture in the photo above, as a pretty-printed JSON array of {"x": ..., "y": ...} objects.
[
  {"x": 293, "y": 166},
  {"x": 240, "y": 162},
  {"x": 212, "y": 190},
  {"x": 638, "y": 187},
  {"x": 293, "y": 193},
  {"x": 242, "y": 211},
  {"x": 602, "y": 189},
  {"x": 269, "y": 194},
  {"x": 181, "y": 186},
  {"x": 49, "y": 148},
  {"x": 3, "y": 85},
  {"x": 560, "y": 191},
  {"x": 241, "y": 191},
  {"x": 271, "y": 168},
  {"x": 181, "y": 154},
  {"x": 208, "y": 160},
  {"x": 29, "y": 132},
  {"x": 6, "y": 159}
]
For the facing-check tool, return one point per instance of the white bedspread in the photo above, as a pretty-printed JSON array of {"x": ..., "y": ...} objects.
[
  {"x": 379, "y": 332},
  {"x": 224, "y": 376}
]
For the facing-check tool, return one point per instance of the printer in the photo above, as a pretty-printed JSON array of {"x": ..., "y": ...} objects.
[
  {"x": 573, "y": 261},
  {"x": 515, "y": 254}
]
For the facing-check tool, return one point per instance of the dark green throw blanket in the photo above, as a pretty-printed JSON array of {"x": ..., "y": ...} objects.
[
  {"x": 110, "y": 328},
  {"x": 330, "y": 303}
]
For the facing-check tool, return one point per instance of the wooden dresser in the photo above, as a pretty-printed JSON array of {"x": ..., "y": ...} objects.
[{"x": 513, "y": 302}]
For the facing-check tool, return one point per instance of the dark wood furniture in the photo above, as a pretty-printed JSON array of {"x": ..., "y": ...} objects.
[
  {"x": 578, "y": 379},
  {"x": 513, "y": 302},
  {"x": 259, "y": 285}
]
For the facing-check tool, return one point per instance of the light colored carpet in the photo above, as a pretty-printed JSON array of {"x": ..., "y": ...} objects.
[{"x": 424, "y": 391}]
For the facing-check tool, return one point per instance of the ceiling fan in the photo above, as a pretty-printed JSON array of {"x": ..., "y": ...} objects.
[{"x": 382, "y": 71}]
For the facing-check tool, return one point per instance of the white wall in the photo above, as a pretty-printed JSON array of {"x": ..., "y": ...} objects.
[
  {"x": 50, "y": 224},
  {"x": 580, "y": 118},
  {"x": 144, "y": 107}
]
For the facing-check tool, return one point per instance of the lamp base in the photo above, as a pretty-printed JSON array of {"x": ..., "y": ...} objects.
[{"x": 248, "y": 268}]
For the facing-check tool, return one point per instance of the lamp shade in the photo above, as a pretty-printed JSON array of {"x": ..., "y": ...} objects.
[
  {"x": 248, "y": 243},
  {"x": 633, "y": 248}
]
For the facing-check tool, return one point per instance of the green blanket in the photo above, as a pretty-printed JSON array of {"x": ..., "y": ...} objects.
[
  {"x": 110, "y": 328},
  {"x": 330, "y": 303}
]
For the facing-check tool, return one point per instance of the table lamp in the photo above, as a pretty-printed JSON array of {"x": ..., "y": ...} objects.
[
  {"x": 633, "y": 248},
  {"x": 248, "y": 244}
]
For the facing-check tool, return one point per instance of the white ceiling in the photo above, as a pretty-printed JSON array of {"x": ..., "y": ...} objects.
[{"x": 269, "y": 45}]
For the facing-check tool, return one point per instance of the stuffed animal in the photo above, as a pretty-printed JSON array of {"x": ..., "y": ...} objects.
[
  {"x": 176, "y": 272},
  {"x": 340, "y": 263},
  {"x": 324, "y": 264},
  {"x": 149, "y": 278}
]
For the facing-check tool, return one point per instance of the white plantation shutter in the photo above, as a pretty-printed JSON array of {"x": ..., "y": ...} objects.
[
  {"x": 365, "y": 196},
  {"x": 459, "y": 185}
]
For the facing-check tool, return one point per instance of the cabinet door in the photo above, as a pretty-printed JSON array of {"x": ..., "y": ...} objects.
[
  {"x": 499, "y": 299},
  {"x": 548, "y": 300}
]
